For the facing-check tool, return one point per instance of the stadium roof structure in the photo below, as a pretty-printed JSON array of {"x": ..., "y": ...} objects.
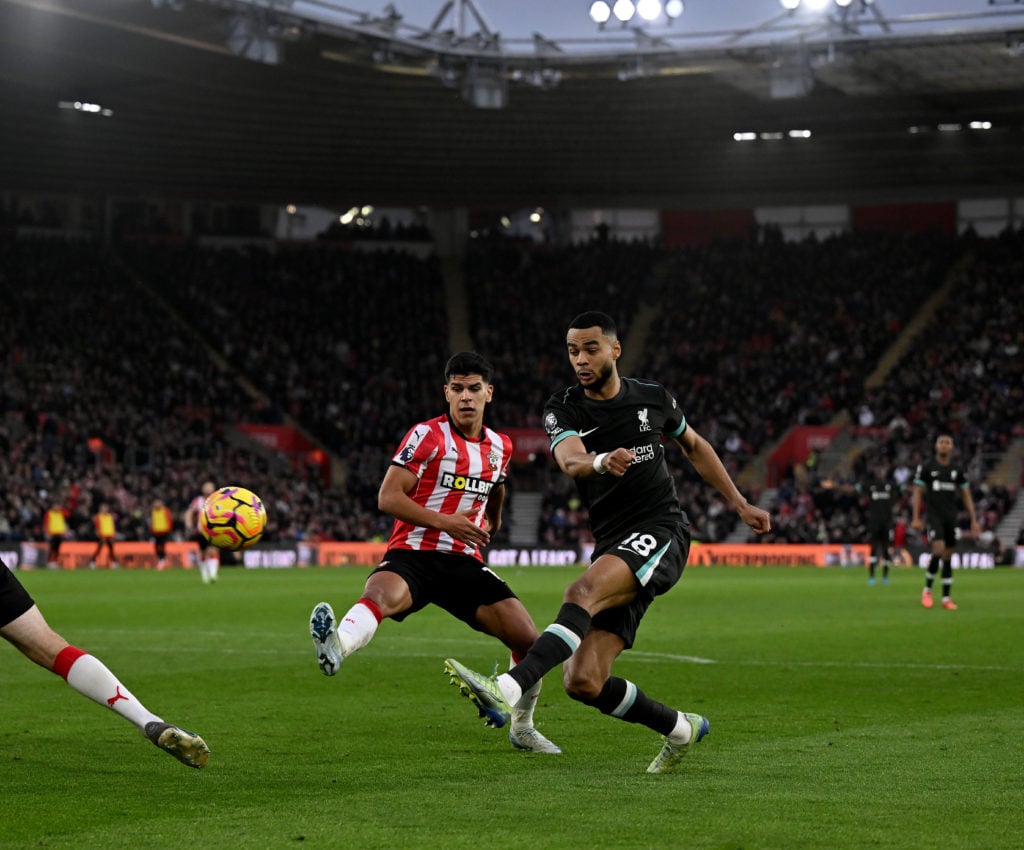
[{"x": 271, "y": 101}]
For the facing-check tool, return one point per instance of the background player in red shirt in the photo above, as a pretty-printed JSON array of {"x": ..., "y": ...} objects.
[
  {"x": 445, "y": 489},
  {"x": 209, "y": 557}
]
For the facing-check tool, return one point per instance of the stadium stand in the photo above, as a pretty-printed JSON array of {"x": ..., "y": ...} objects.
[{"x": 128, "y": 373}]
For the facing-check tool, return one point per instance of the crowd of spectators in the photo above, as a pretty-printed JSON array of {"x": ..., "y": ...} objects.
[
  {"x": 126, "y": 373},
  {"x": 962, "y": 374},
  {"x": 523, "y": 296},
  {"x": 107, "y": 396}
]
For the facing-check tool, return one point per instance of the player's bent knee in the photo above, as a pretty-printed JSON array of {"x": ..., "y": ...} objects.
[{"x": 582, "y": 690}]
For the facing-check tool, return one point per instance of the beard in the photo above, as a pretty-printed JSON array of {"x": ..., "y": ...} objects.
[{"x": 601, "y": 378}]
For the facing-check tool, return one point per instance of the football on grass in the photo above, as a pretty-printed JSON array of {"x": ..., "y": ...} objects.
[{"x": 233, "y": 518}]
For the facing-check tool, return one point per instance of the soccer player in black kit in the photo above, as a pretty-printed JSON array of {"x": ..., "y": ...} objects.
[
  {"x": 606, "y": 433},
  {"x": 882, "y": 492},
  {"x": 940, "y": 484}
]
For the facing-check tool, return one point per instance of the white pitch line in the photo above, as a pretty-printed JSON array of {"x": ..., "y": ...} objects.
[
  {"x": 690, "y": 659},
  {"x": 454, "y": 646}
]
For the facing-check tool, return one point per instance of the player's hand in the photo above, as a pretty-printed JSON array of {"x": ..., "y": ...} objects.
[
  {"x": 461, "y": 527},
  {"x": 917, "y": 524},
  {"x": 757, "y": 518},
  {"x": 618, "y": 461}
]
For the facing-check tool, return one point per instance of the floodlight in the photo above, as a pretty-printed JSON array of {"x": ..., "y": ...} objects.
[
  {"x": 600, "y": 12},
  {"x": 649, "y": 10},
  {"x": 623, "y": 10}
]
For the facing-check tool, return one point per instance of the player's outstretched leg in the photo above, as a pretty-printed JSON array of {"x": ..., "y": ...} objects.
[
  {"x": 187, "y": 747},
  {"x": 323, "y": 630},
  {"x": 482, "y": 690},
  {"x": 675, "y": 747}
]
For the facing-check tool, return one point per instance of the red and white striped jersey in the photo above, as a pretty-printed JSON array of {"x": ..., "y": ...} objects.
[
  {"x": 455, "y": 474},
  {"x": 194, "y": 509}
]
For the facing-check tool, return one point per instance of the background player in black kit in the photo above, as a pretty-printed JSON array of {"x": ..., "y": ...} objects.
[
  {"x": 606, "y": 433},
  {"x": 942, "y": 484},
  {"x": 881, "y": 492}
]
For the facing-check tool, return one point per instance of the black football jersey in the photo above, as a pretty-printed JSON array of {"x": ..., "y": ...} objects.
[
  {"x": 941, "y": 485},
  {"x": 637, "y": 418},
  {"x": 882, "y": 494}
]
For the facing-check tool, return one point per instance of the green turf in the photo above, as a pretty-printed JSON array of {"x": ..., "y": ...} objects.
[{"x": 842, "y": 716}]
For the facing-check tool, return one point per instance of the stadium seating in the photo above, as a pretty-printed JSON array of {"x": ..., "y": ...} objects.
[{"x": 127, "y": 371}]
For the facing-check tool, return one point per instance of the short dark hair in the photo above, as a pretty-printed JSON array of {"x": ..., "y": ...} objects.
[
  {"x": 595, "y": 318},
  {"x": 468, "y": 363}
]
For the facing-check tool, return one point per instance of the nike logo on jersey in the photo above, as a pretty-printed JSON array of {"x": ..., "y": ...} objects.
[{"x": 591, "y": 431}]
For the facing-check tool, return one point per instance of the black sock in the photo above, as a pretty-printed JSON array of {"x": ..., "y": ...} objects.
[
  {"x": 933, "y": 568},
  {"x": 556, "y": 643},
  {"x": 947, "y": 578},
  {"x": 622, "y": 699}
]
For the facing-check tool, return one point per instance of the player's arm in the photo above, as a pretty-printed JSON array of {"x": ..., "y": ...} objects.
[
  {"x": 393, "y": 498},
  {"x": 575, "y": 461},
  {"x": 969, "y": 504},
  {"x": 709, "y": 465},
  {"x": 915, "y": 507},
  {"x": 829, "y": 484},
  {"x": 495, "y": 503}
]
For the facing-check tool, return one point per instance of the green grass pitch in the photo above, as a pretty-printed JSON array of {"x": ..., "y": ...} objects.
[{"x": 842, "y": 716}]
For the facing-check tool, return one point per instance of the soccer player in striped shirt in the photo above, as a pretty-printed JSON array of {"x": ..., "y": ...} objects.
[{"x": 445, "y": 489}]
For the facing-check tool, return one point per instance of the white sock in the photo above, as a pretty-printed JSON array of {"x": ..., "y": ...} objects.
[
  {"x": 682, "y": 732},
  {"x": 357, "y": 628},
  {"x": 212, "y": 566},
  {"x": 510, "y": 689},
  {"x": 91, "y": 678},
  {"x": 522, "y": 713}
]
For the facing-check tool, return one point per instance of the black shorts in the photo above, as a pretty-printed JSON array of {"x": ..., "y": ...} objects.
[
  {"x": 944, "y": 530},
  {"x": 657, "y": 556},
  {"x": 14, "y": 599},
  {"x": 460, "y": 584},
  {"x": 879, "y": 536}
]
